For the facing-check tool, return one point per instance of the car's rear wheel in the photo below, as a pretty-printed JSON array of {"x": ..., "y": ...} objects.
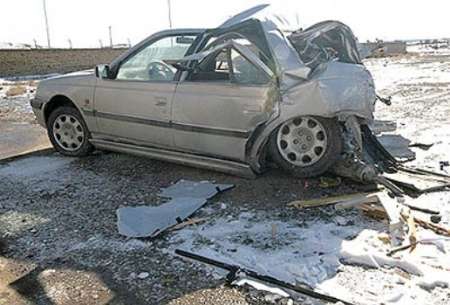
[
  {"x": 68, "y": 132},
  {"x": 306, "y": 146}
]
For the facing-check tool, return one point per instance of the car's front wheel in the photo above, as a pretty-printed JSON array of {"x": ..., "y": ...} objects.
[
  {"x": 306, "y": 146},
  {"x": 68, "y": 132}
]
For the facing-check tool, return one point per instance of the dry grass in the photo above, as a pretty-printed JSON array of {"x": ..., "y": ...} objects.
[{"x": 16, "y": 90}]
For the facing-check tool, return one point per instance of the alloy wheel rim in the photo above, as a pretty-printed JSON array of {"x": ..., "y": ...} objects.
[
  {"x": 302, "y": 141},
  {"x": 68, "y": 132}
]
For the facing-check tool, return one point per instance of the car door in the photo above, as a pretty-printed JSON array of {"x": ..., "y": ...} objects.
[
  {"x": 135, "y": 105},
  {"x": 217, "y": 106}
]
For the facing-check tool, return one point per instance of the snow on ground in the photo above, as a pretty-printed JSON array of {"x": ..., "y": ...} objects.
[
  {"x": 334, "y": 256},
  {"x": 420, "y": 90},
  {"x": 34, "y": 167},
  {"x": 316, "y": 253}
]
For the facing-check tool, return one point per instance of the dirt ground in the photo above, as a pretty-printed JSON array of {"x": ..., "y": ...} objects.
[
  {"x": 19, "y": 132},
  {"x": 60, "y": 245}
]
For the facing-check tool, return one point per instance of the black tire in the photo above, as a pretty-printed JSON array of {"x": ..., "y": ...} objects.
[
  {"x": 328, "y": 159},
  {"x": 86, "y": 147}
]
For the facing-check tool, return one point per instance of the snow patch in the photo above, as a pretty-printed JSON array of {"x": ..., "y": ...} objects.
[
  {"x": 314, "y": 253},
  {"x": 33, "y": 166}
]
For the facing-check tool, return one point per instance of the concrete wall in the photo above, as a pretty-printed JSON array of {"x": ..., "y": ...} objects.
[{"x": 46, "y": 61}]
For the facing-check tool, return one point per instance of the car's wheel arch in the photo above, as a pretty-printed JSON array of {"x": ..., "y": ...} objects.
[
  {"x": 258, "y": 143},
  {"x": 58, "y": 100}
]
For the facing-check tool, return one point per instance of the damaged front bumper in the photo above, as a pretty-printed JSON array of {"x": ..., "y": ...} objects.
[{"x": 37, "y": 105}]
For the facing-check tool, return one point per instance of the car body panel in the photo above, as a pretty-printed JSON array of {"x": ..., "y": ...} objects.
[
  {"x": 77, "y": 86},
  {"x": 135, "y": 109},
  {"x": 244, "y": 15},
  {"x": 222, "y": 115},
  {"x": 330, "y": 94}
]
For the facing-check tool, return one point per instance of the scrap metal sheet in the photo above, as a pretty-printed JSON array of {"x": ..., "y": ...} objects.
[
  {"x": 187, "y": 188},
  {"x": 149, "y": 221}
]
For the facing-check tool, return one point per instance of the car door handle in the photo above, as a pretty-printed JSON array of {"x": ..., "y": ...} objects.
[
  {"x": 161, "y": 101},
  {"x": 252, "y": 109}
]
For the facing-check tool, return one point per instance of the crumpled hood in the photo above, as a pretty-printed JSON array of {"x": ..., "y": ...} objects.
[{"x": 326, "y": 41}]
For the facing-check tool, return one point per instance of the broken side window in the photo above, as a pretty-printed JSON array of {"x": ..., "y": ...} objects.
[
  {"x": 244, "y": 72},
  {"x": 240, "y": 40},
  {"x": 231, "y": 66},
  {"x": 212, "y": 68}
]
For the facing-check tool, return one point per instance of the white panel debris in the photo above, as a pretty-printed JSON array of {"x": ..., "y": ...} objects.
[
  {"x": 148, "y": 221},
  {"x": 186, "y": 188}
]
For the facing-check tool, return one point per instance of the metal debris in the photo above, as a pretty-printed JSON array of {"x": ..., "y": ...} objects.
[
  {"x": 397, "y": 145},
  {"x": 236, "y": 272},
  {"x": 328, "y": 182},
  {"x": 422, "y": 146},
  {"x": 340, "y": 202},
  {"x": 193, "y": 189},
  {"x": 443, "y": 164},
  {"x": 150, "y": 221},
  {"x": 187, "y": 197}
]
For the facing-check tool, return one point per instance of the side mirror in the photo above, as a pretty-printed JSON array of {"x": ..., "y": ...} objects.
[{"x": 102, "y": 71}]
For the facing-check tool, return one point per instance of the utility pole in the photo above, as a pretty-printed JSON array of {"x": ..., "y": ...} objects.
[
  {"x": 110, "y": 37},
  {"x": 170, "y": 13},
  {"x": 70, "y": 43},
  {"x": 46, "y": 24}
]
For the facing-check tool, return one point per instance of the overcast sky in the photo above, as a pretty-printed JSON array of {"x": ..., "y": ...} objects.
[{"x": 87, "y": 21}]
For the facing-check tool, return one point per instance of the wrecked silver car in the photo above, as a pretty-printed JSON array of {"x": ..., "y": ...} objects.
[{"x": 231, "y": 98}]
